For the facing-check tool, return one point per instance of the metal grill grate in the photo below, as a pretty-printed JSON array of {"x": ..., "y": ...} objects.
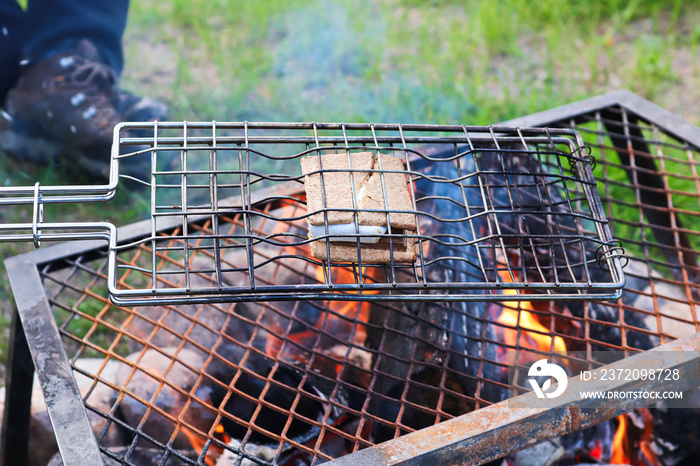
[
  {"x": 509, "y": 209},
  {"x": 285, "y": 382}
]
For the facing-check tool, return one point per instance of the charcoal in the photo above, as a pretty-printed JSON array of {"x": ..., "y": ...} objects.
[
  {"x": 267, "y": 324},
  {"x": 146, "y": 383},
  {"x": 251, "y": 326},
  {"x": 588, "y": 446},
  {"x": 672, "y": 437},
  {"x": 423, "y": 399},
  {"x": 543, "y": 239},
  {"x": 235, "y": 372},
  {"x": 611, "y": 334},
  {"x": 676, "y": 433},
  {"x": 165, "y": 325},
  {"x": 410, "y": 343},
  {"x": 270, "y": 419},
  {"x": 567, "y": 256},
  {"x": 609, "y": 312},
  {"x": 531, "y": 208},
  {"x": 254, "y": 455},
  {"x": 422, "y": 349},
  {"x": 463, "y": 261},
  {"x": 545, "y": 228},
  {"x": 543, "y": 454},
  {"x": 422, "y": 340}
]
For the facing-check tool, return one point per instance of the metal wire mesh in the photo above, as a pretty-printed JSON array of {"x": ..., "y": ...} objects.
[
  {"x": 516, "y": 207},
  {"x": 285, "y": 382},
  {"x": 317, "y": 380},
  {"x": 652, "y": 198}
]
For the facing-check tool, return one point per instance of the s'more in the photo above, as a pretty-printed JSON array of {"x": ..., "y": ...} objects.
[{"x": 363, "y": 195}]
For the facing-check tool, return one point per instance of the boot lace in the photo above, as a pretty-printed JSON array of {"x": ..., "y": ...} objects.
[{"x": 95, "y": 84}]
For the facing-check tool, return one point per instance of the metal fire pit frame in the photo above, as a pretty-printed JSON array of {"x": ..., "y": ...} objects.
[
  {"x": 464, "y": 440},
  {"x": 485, "y": 434}
]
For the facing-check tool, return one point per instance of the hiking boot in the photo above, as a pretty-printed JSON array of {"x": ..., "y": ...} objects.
[
  {"x": 68, "y": 105},
  {"x": 138, "y": 108}
]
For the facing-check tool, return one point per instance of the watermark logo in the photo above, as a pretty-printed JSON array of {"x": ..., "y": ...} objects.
[
  {"x": 543, "y": 368},
  {"x": 599, "y": 377}
]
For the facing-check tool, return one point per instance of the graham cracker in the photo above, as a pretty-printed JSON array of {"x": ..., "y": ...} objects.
[
  {"x": 378, "y": 253},
  {"x": 369, "y": 194}
]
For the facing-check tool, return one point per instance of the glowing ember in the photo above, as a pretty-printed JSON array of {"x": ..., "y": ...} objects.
[{"x": 597, "y": 451}]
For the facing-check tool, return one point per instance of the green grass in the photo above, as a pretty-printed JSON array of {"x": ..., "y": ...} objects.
[
  {"x": 127, "y": 207},
  {"x": 428, "y": 61},
  {"x": 436, "y": 61}
]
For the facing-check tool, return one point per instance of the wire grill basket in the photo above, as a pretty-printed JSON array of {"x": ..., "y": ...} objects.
[{"x": 501, "y": 214}]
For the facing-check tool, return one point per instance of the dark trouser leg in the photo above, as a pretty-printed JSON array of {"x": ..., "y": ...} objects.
[
  {"x": 11, "y": 42},
  {"x": 56, "y": 25}
]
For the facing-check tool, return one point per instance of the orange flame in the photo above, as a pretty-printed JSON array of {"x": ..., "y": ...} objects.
[
  {"x": 645, "y": 442},
  {"x": 518, "y": 313},
  {"x": 625, "y": 450},
  {"x": 341, "y": 323},
  {"x": 198, "y": 443},
  {"x": 344, "y": 275},
  {"x": 620, "y": 447}
]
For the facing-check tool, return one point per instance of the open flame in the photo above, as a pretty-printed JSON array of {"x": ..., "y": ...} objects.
[
  {"x": 343, "y": 319},
  {"x": 517, "y": 314},
  {"x": 620, "y": 446},
  {"x": 198, "y": 443},
  {"x": 632, "y": 445},
  {"x": 334, "y": 331}
]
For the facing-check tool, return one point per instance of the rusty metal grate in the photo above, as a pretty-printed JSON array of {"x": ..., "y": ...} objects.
[{"x": 285, "y": 382}]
